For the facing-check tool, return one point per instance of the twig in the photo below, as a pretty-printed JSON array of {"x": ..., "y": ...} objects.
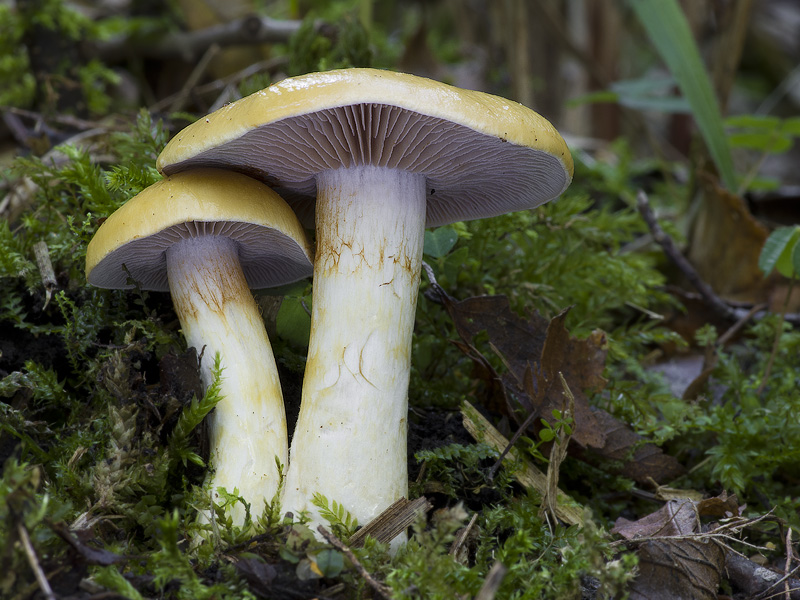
[
  {"x": 461, "y": 538},
  {"x": 45, "y": 265},
  {"x": 517, "y": 434},
  {"x": 248, "y": 30},
  {"x": 221, "y": 84},
  {"x": 492, "y": 582},
  {"x": 436, "y": 293},
  {"x": 736, "y": 327},
  {"x": 526, "y": 473},
  {"x": 194, "y": 78},
  {"x": 65, "y": 120},
  {"x": 558, "y": 453},
  {"x": 668, "y": 245},
  {"x": 30, "y": 552},
  {"x": 788, "y": 560},
  {"x": 384, "y": 590},
  {"x": 391, "y": 522}
]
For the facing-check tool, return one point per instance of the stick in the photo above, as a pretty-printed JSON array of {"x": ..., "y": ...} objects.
[
  {"x": 668, "y": 245},
  {"x": 492, "y": 582},
  {"x": 567, "y": 510},
  {"x": 30, "y": 552},
  {"x": 384, "y": 590},
  {"x": 189, "y": 45},
  {"x": 42, "y": 254}
]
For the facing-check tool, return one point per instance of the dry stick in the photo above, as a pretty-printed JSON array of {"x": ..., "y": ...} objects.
[
  {"x": 194, "y": 77},
  {"x": 786, "y": 580},
  {"x": 384, "y": 590},
  {"x": 558, "y": 453},
  {"x": 492, "y": 582},
  {"x": 46, "y": 272},
  {"x": 527, "y": 473},
  {"x": 706, "y": 293},
  {"x": 188, "y": 45},
  {"x": 462, "y": 536},
  {"x": 675, "y": 255},
  {"x": 220, "y": 84},
  {"x": 788, "y": 564},
  {"x": 41, "y": 578},
  {"x": 391, "y": 522}
]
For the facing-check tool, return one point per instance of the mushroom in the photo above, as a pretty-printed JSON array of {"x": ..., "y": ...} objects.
[
  {"x": 207, "y": 237},
  {"x": 387, "y": 154}
]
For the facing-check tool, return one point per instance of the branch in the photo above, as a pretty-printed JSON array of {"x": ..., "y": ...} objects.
[
  {"x": 383, "y": 590},
  {"x": 668, "y": 245},
  {"x": 707, "y": 294},
  {"x": 189, "y": 45}
]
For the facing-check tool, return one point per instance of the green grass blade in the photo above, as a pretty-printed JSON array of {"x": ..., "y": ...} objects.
[{"x": 669, "y": 32}]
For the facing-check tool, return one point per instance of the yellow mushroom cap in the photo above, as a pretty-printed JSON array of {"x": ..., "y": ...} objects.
[
  {"x": 132, "y": 242},
  {"x": 482, "y": 155}
]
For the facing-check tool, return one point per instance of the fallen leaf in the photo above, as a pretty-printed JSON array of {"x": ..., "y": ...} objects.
[
  {"x": 730, "y": 268},
  {"x": 677, "y": 517},
  {"x": 677, "y": 559},
  {"x": 535, "y": 351},
  {"x": 671, "y": 569}
]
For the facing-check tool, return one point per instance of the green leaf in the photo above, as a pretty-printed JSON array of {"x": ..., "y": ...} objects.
[
  {"x": 650, "y": 94},
  {"x": 330, "y": 562},
  {"x": 440, "y": 241},
  {"x": 773, "y": 143},
  {"x": 796, "y": 260},
  {"x": 791, "y": 126},
  {"x": 669, "y": 32},
  {"x": 779, "y": 250},
  {"x": 293, "y": 323},
  {"x": 763, "y": 122}
]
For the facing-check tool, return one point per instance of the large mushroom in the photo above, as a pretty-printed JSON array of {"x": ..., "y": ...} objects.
[
  {"x": 207, "y": 237},
  {"x": 386, "y": 154}
]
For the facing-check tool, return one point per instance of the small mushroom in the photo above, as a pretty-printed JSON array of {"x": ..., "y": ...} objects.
[
  {"x": 385, "y": 155},
  {"x": 207, "y": 237}
]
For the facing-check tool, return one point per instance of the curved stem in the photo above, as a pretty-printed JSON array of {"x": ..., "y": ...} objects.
[
  {"x": 219, "y": 315},
  {"x": 350, "y": 440}
]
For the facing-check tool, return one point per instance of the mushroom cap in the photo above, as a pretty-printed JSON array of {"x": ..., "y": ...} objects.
[
  {"x": 272, "y": 245},
  {"x": 482, "y": 155}
]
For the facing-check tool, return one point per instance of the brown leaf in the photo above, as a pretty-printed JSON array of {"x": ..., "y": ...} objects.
[
  {"x": 672, "y": 569},
  {"x": 640, "y": 461},
  {"x": 677, "y": 517},
  {"x": 687, "y": 566},
  {"x": 535, "y": 351},
  {"x": 722, "y": 506},
  {"x": 730, "y": 268}
]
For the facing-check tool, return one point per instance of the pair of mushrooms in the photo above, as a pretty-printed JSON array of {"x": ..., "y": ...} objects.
[{"x": 371, "y": 158}]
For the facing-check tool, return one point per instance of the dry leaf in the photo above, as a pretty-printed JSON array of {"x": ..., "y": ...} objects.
[
  {"x": 677, "y": 559},
  {"x": 730, "y": 268},
  {"x": 535, "y": 350},
  {"x": 673, "y": 569}
]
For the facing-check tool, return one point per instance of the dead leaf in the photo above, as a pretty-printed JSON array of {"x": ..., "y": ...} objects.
[
  {"x": 722, "y": 506},
  {"x": 730, "y": 268},
  {"x": 677, "y": 517},
  {"x": 677, "y": 559},
  {"x": 671, "y": 569},
  {"x": 534, "y": 351}
]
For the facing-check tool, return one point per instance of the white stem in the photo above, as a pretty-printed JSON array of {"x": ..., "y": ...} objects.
[
  {"x": 219, "y": 315},
  {"x": 350, "y": 439}
]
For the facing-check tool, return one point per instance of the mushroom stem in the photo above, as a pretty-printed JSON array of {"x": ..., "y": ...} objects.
[
  {"x": 350, "y": 439},
  {"x": 219, "y": 315}
]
